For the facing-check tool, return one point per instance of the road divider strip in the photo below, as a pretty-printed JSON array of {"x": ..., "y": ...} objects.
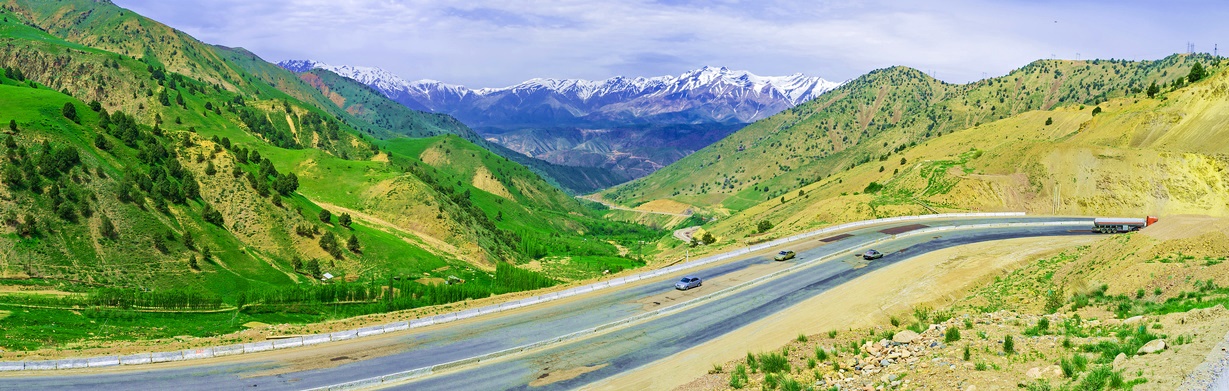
[
  {"x": 424, "y": 371},
  {"x": 255, "y": 347}
]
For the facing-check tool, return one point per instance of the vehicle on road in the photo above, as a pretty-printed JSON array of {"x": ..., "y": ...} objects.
[
  {"x": 687, "y": 283},
  {"x": 872, "y": 254},
  {"x": 1110, "y": 225},
  {"x": 784, "y": 255}
]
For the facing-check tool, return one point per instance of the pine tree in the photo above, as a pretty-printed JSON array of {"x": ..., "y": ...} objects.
[
  {"x": 13, "y": 125},
  {"x": 108, "y": 228},
  {"x": 1197, "y": 73},
  {"x": 353, "y": 244},
  {"x": 344, "y": 220},
  {"x": 69, "y": 111},
  {"x": 326, "y": 216}
]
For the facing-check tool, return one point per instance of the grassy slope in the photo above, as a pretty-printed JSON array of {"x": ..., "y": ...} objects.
[
  {"x": 1138, "y": 156},
  {"x": 410, "y": 219},
  {"x": 384, "y": 118},
  {"x": 874, "y": 117}
]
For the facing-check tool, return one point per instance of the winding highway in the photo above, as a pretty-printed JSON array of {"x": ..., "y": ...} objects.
[{"x": 636, "y": 324}]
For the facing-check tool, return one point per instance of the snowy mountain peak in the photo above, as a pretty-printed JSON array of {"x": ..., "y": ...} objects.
[{"x": 717, "y": 93}]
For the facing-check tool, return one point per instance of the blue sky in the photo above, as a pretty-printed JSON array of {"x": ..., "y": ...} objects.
[{"x": 485, "y": 43}]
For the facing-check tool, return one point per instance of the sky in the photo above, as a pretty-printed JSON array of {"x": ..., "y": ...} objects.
[{"x": 489, "y": 43}]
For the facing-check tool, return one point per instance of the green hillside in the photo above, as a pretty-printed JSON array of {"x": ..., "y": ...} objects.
[
  {"x": 384, "y": 118},
  {"x": 146, "y": 174},
  {"x": 876, "y": 116},
  {"x": 1126, "y": 156}
]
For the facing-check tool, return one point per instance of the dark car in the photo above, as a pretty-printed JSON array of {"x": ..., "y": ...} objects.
[
  {"x": 872, "y": 254},
  {"x": 687, "y": 283},
  {"x": 784, "y": 255}
]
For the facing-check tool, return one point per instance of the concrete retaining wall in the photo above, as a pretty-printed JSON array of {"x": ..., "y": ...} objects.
[{"x": 191, "y": 354}]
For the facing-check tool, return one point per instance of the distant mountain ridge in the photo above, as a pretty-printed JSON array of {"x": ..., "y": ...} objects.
[
  {"x": 705, "y": 95},
  {"x": 630, "y": 126}
]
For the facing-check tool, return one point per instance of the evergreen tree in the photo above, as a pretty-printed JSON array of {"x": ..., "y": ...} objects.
[
  {"x": 108, "y": 228},
  {"x": 188, "y": 241},
  {"x": 69, "y": 111},
  {"x": 344, "y": 220},
  {"x": 326, "y": 216},
  {"x": 1197, "y": 73},
  {"x": 1153, "y": 89},
  {"x": 13, "y": 125},
  {"x": 353, "y": 244},
  {"x": 312, "y": 267}
]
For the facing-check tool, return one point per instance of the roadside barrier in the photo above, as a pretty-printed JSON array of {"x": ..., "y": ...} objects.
[
  {"x": 420, "y": 372},
  {"x": 315, "y": 339}
]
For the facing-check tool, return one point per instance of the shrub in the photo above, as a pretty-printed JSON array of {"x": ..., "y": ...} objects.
[
  {"x": 1009, "y": 344},
  {"x": 773, "y": 362},
  {"x": 872, "y": 188},
  {"x": 951, "y": 335},
  {"x": 325, "y": 216},
  {"x": 763, "y": 226},
  {"x": 738, "y": 378},
  {"x": 820, "y": 353},
  {"x": 801, "y": 337},
  {"x": 1049, "y": 121},
  {"x": 967, "y": 355}
]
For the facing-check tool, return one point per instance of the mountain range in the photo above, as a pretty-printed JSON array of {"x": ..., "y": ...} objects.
[{"x": 630, "y": 126}]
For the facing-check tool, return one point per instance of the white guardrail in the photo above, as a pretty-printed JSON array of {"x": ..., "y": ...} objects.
[
  {"x": 314, "y": 339},
  {"x": 424, "y": 371}
]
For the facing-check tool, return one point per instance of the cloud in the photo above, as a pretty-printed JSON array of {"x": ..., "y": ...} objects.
[{"x": 495, "y": 43}]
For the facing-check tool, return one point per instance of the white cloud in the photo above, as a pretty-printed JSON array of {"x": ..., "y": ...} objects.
[{"x": 485, "y": 43}]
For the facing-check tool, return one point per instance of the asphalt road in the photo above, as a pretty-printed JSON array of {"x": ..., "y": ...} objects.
[{"x": 614, "y": 351}]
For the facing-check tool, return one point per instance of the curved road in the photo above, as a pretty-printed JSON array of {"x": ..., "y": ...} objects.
[{"x": 610, "y": 352}]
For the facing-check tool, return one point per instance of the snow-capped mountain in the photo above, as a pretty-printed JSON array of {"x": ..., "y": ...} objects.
[
  {"x": 703, "y": 95},
  {"x": 632, "y": 126}
]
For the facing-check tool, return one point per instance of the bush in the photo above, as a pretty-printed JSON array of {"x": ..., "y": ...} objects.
[
  {"x": 951, "y": 335},
  {"x": 773, "y": 362},
  {"x": 1049, "y": 121},
  {"x": 821, "y": 354},
  {"x": 1009, "y": 344},
  {"x": 872, "y": 188},
  {"x": 738, "y": 378},
  {"x": 763, "y": 226},
  {"x": 325, "y": 216}
]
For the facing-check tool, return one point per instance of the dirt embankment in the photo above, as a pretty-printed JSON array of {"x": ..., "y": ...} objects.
[{"x": 1141, "y": 309}]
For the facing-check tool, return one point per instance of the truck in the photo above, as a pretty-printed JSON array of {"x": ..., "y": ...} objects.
[{"x": 1110, "y": 225}]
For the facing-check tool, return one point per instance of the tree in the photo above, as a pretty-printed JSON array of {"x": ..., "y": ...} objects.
[
  {"x": 353, "y": 244},
  {"x": 212, "y": 216},
  {"x": 1096, "y": 110},
  {"x": 1049, "y": 121},
  {"x": 296, "y": 263},
  {"x": 286, "y": 184},
  {"x": 188, "y": 241},
  {"x": 210, "y": 170},
  {"x": 108, "y": 228},
  {"x": 1153, "y": 89},
  {"x": 1197, "y": 73},
  {"x": 13, "y": 125},
  {"x": 1009, "y": 344},
  {"x": 763, "y": 226},
  {"x": 344, "y": 220},
  {"x": 328, "y": 242},
  {"x": 902, "y": 161},
  {"x": 313, "y": 268},
  {"x": 326, "y": 216},
  {"x": 192, "y": 262},
  {"x": 28, "y": 226},
  {"x": 70, "y": 112},
  {"x": 708, "y": 238},
  {"x": 101, "y": 142}
]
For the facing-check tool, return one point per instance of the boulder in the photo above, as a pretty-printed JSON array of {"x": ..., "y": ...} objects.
[
  {"x": 1047, "y": 372},
  {"x": 1119, "y": 360},
  {"x": 1133, "y": 320},
  {"x": 1153, "y": 346},
  {"x": 905, "y": 336}
]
